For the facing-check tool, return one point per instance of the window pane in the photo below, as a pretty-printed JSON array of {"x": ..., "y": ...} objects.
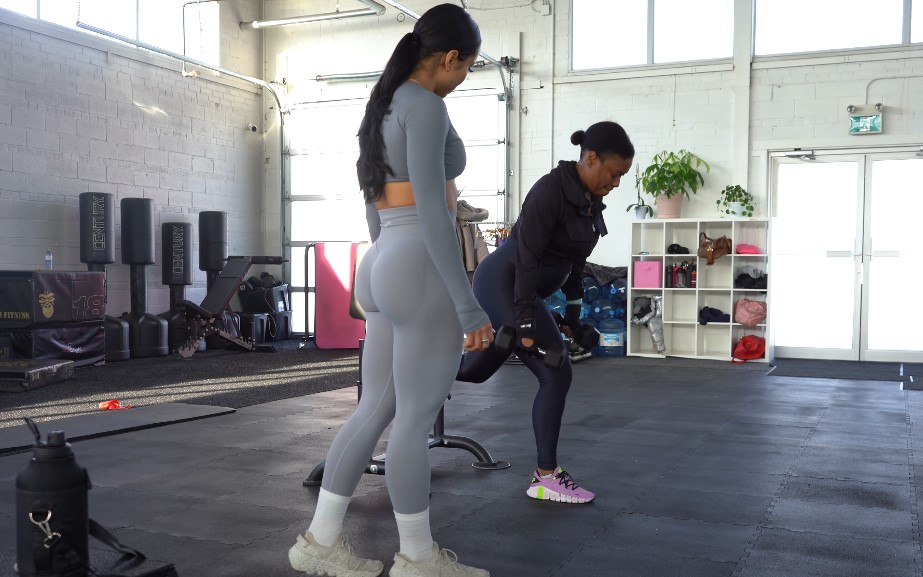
[
  {"x": 607, "y": 34},
  {"x": 118, "y": 17},
  {"x": 916, "y": 21},
  {"x": 787, "y": 26},
  {"x": 329, "y": 220},
  {"x": 476, "y": 117},
  {"x": 160, "y": 23},
  {"x": 63, "y": 12},
  {"x": 326, "y": 148},
  {"x": 329, "y": 174},
  {"x": 203, "y": 31},
  {"x": 712, "y": 21},
  {"x": 27, "y": 7}
]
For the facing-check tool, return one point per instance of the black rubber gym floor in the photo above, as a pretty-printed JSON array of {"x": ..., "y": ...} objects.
[{"x": 701, "y": 469}]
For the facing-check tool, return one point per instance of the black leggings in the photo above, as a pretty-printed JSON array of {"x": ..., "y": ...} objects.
[{"x": 493, "y": 287}]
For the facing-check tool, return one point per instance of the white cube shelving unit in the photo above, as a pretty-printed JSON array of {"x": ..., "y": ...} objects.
[{"x": 683, "y": 334}]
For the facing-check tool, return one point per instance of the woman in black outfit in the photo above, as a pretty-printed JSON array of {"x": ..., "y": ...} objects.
[{"x": 558, "y": 227}]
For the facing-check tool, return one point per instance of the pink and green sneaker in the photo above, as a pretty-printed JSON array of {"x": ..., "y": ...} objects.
[{"x": 560, "y": 487}]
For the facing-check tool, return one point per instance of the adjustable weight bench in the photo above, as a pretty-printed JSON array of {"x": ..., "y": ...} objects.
[
  {"x": 438, "y": 438},
  {"x": 208, "y": 318}
]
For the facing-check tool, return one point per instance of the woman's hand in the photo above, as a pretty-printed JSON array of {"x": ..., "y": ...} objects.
[{"x": 479, "y": 339}]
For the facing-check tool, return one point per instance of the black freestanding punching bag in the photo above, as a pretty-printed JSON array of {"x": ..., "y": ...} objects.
[
  {"x": 147, "y": 332},
  {"x": 97, "y": 249},
  {"x": 97, "y": 230},
  {"x": 176, "y": 250},
  {"x": 213, "y": 243},
  {"x": 213, "y": 254},
  {"x": 52, "y": 512}
]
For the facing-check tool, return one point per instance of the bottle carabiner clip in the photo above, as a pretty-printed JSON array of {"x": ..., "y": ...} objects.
[{"x": 50, "y": 536}]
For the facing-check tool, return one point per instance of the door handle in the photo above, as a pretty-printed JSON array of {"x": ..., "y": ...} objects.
[{"x": 839, "y": 253}]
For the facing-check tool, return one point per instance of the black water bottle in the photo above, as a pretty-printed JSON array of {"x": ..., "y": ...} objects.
[{"x": 52, "y": 517}]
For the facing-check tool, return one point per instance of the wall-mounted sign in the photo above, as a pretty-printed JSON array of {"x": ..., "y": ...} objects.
[{"x": 865, "y": 119}]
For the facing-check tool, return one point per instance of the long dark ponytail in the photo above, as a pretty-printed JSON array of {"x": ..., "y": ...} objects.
[{"x": 441, "y": 28}]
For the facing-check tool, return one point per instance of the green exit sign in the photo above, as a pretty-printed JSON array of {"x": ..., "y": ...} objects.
[
  {"x": 865, "y": 124},
  {"x": 865, "y": 119}
]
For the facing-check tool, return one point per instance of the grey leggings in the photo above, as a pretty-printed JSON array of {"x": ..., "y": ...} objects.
[{"x": 413, "y": 346}]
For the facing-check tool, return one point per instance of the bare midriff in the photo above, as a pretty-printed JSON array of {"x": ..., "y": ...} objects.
[{"x": 398, "y": 194}]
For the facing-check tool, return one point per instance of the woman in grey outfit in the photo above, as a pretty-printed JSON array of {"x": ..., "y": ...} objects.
[{"x": 419, "y": 305}]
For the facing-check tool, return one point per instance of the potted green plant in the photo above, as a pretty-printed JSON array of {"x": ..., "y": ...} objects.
[
  {"x": 642, "y": 209},
  {"x": 735, "y": 201},
  {"x": 672, "y": 176}
]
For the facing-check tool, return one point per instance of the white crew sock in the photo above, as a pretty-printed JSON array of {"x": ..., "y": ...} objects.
[
  {"x": 327, "y": 523},
  {"x": 415, "y": 534}
]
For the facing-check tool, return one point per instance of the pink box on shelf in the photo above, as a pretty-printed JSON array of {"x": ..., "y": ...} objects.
[{"x": 648, "y": 274}]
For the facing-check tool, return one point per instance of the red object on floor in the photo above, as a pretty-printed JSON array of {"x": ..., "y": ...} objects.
[{"x": 113, "y": 405}]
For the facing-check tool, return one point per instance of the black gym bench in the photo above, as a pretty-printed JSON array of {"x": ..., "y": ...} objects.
[{"x": 208, "y": 318}]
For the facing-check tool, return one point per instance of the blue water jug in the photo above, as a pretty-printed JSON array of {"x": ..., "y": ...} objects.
[
  {"x": 618, "y": 289},
  {"x": 601, "y": 308},
  {"x": 556, "y": 302},
  {"x": 611, "y": 337},
  {"x": 590, "y": 289}
]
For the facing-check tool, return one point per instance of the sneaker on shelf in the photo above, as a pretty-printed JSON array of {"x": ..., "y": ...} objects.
[
  {"x": 338, "y": 560},
  {"x": 577, "y": 353},
  {"x": 444, "y": 562},
  {"x": 560, "y": 487}
]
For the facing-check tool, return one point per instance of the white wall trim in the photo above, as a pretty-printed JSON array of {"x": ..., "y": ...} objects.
[
  {"x": 842, "y": 57},
  {"x": 862, "y": 142},
  {"x": 642, "y": 72}
]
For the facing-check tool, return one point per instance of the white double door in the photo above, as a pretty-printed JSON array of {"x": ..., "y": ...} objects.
[{"x": 846, "y": 275}]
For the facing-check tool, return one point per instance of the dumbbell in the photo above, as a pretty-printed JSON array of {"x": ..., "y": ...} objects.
[
  {"x": 505, "y": 340},
  {"x": 586, "y": 335}
]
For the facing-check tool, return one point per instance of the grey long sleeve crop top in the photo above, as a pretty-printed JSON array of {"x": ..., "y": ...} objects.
[{"x": 422, "y": 147}]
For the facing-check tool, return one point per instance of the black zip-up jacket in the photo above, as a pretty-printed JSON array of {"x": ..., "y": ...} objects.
[{"x": 559, "y": 225}]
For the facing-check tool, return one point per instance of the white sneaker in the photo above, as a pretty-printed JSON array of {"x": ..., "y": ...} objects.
[
  {"x": 338, "y": 560},
  {"x": 444, "y": 563}
]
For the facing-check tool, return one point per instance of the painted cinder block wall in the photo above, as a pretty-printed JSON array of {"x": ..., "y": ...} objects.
[{"x": 80, "y": 113}]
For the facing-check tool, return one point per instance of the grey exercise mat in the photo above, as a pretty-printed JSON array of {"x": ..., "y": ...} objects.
[
  {"x": 850, "y": 370},
  {"x": 105, "y": 423}
]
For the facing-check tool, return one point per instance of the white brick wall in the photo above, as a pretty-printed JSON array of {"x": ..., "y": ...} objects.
[{"x": 75, "y": 119}]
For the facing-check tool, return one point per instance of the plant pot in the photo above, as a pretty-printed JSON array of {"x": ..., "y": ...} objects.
[
  {"x": 669, "y": 207},
  {"x": 735, "y": 209},
  {"x": 640, "y": 212}
]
